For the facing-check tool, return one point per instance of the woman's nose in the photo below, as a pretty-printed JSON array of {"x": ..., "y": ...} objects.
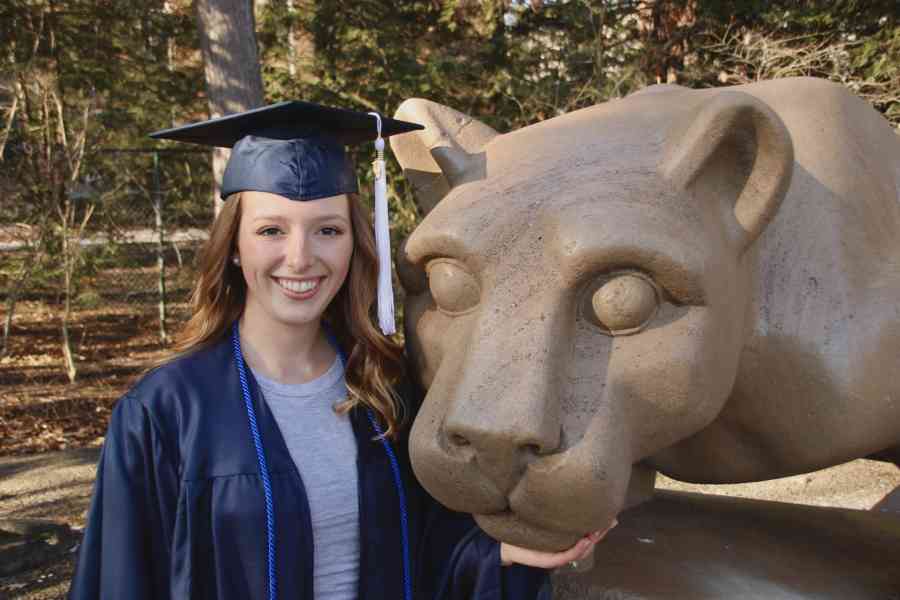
[{"x": 299, "y": 253}]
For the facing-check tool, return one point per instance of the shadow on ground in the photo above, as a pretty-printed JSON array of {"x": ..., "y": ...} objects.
[{"x": 43, "y": 501}]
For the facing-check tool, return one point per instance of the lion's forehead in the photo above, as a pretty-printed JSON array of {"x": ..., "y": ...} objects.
[
  {"x": 599, "y": 138},
  {"x": 568, "y": 227},
  {"x": 581, "y": 165}
]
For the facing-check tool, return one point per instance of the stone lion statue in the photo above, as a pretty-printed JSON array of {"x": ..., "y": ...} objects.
[{"x": 703, "y": 283}]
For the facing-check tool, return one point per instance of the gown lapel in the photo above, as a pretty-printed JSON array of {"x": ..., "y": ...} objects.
[{"x": 381, "y": 546}]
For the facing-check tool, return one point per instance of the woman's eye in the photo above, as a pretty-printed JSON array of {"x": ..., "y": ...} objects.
[
  {"x": 454, "y": 289},
  {"x": 330, "y": 231},
  {"x": 268, "y": 231},
  {"x": 622, "y": 304}
]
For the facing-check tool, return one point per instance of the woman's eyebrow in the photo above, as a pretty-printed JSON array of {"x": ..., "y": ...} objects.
[
  {"x": 265, "y": 217},
  {"x": 317, "y": 219},
  {"x": 332, "y": 217}
]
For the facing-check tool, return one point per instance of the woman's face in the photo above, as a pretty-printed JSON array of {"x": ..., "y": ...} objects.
[{"x": 294, "y": 255}]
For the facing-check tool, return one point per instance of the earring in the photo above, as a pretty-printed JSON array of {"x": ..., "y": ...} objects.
[{"x": 236, "y": 260}]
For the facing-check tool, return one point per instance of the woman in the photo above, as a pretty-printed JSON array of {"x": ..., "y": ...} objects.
[{"x": 267, "y": 459}]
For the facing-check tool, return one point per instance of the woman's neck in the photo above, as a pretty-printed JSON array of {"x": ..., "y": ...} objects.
[{"x": 285, "y": 354}]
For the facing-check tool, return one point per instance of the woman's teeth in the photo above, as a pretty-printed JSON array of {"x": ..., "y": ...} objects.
[{"x": 301, "y": 286}]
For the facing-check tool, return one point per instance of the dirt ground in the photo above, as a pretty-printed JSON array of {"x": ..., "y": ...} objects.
[
  {"x": 50, "y": 433},
  {"x": 39, "y": 409},
  {"x": 51, "y": 430},
  {"x": 52, "y": 487}
]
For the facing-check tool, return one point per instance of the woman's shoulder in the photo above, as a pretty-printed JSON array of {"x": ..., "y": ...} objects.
[
  {"x": 178, "y": 405},
  {"x": 191, "y": 407},
  {"x": 188, "y": 378}
]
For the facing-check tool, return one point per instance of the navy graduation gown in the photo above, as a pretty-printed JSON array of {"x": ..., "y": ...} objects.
[{"x": 178, "y": 510}]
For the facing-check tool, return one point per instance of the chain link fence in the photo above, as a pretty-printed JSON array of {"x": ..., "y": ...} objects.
[
  {"x": 135, "y": 256},
  {"x": 92, "y": 297}
]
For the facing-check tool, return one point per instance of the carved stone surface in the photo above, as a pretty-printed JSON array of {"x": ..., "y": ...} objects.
[
  {"x": 702, "y": 282},
  {"x": 701, "y": 547}
]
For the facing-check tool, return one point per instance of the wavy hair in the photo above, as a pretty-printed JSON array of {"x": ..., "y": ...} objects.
[{"x": 374, "y": 362}]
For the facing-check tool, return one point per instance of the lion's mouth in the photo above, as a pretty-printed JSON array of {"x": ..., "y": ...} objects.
[{"x": 509, "y": 527}]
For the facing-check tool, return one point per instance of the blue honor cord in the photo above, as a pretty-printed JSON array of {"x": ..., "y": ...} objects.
[
  {"x": 267, "y": 485},
  {"x": 261, "y": 458}
]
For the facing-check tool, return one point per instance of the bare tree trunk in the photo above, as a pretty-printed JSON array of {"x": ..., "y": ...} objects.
[
  {"x": 19, "y": 285},
  {"x": 68, "y": 268},
  {"x": 231, "y": 63},
  {"x": 10, "y": 117},
  {"x": 156, "y": 201},
  {"x": 292, "y": 42},
  {"x": 12, "y": 299},
  {"x": 301, "y": 46},
  {"x": 72, "y": 233}
]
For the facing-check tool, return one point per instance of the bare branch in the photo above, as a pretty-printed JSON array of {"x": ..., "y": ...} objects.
[
  {"x": 746, "y": 56},
  {"x": 87, "y": 217},
  {"x": 77, "y": 155},
  {"x": 359, "y": 99},
  {"x": 7, "y": 127},
  {"x": 61, "y": 121}
]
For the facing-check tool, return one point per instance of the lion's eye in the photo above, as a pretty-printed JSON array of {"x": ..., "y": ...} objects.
[
  {"x": 623, "y": 303},
  {"x": 412, "y": 277},
  {"x": 454, "y": 289}
]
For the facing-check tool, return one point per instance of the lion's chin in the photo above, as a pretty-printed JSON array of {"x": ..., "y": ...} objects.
[{"x": 507, "y": 527}]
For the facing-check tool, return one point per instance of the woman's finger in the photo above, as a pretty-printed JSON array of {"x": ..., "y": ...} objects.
[
  {"x": 598, "y": 535},
  {"x": 546, "y": 560},
  {"x": 552, "y": 560},
  {"x": 586, "y": 553}
]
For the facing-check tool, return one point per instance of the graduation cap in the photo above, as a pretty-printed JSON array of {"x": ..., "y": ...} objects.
[{"x": 296, "y": 149}]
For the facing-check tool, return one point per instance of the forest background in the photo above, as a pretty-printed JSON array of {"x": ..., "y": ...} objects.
[{"x": 99, "y": 225}]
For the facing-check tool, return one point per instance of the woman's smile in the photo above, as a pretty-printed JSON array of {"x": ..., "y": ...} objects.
[{"x": 300, "y": 289}]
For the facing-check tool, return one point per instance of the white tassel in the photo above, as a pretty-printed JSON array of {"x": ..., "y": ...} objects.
[{"x": 383, "y": 239}]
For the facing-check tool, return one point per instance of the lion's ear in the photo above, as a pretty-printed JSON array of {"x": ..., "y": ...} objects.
[
  {"x": 735, "y": 150},
  {"x": 447, "y": 153}
]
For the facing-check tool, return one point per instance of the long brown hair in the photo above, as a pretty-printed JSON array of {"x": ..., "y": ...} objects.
[{"x": 374, "y": 362}]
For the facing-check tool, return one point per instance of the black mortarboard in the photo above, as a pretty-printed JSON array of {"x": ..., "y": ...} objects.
[{"x": 294, "y": 149}]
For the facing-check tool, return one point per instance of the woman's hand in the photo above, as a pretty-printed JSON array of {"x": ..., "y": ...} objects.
[{"x": 510, "y": 554}]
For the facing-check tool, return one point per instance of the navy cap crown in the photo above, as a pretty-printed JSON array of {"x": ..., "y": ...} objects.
[{"x": 294, "y": 149}]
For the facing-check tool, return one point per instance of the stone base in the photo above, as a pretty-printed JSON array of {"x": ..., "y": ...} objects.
[{"x": 693, "y": 546}]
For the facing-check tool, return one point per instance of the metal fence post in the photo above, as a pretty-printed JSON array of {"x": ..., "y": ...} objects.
[{"x": 160, "y": 247}]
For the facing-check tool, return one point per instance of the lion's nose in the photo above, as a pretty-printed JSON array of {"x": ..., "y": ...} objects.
[
  {"x": 501, "y": 446},
  {"x": 485, "y": 440}
]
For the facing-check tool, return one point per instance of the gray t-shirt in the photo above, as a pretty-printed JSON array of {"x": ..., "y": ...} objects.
[{"x": 323, "y": 447}]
